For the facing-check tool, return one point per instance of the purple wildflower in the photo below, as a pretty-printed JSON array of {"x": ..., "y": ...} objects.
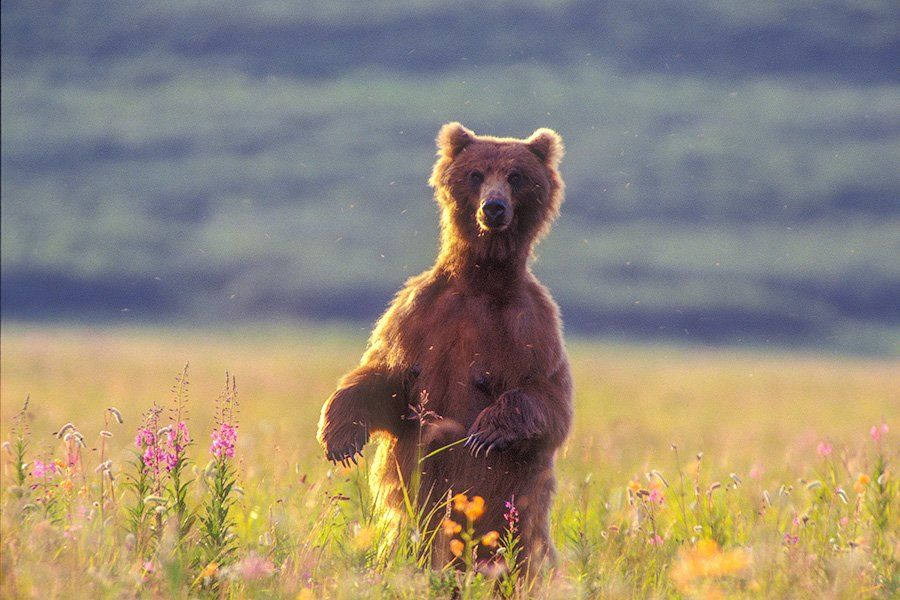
[
  {"x": 174, "y": 441},
  {"x": 255, "y": 567},
  {"x": 511, "y": 516},
  {"x": 878, "y": 431},
  {"x": 42, "y": 470},
  {"x": 153, "y": 456},
  {"x": 224, "y": 439},
  {"x": 145, "y": 437},
  {"x": 161, "y": 449}
]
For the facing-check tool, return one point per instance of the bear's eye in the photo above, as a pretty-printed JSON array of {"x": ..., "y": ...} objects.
[
  {"x": 515, "y": 179},
  {"x": 476, "y": 177}
]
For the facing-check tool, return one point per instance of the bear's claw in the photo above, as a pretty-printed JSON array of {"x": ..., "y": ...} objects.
[
  {"x": 344, "y": 456},
  {"x": 478, "y": 441},
  {"x": 346, "y": 453}
]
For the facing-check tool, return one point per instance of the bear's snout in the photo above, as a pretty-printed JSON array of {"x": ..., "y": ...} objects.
[{"x": 494, "y": 213}]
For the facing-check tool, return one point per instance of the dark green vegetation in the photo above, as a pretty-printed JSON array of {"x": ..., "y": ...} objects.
[{"x": 732, "y": 167}]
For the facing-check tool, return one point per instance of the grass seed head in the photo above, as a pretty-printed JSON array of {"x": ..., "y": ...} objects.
[
  {"x": 116, "y": 414},
  {"x": 64, "y": 430}
]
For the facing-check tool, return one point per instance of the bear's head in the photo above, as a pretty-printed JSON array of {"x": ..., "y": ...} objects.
[{"x": 498, "y": 196}]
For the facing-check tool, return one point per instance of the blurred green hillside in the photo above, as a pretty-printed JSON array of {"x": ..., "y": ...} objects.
[{"x": 731, "y": 169}]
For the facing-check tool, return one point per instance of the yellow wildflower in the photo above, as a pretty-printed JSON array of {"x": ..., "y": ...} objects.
[
  {"x": 861, "y": 482},
  {"x": 475, "y": 508},
  {"x": 490, "y": 539},
  {"x": 706, "y": 548},
  {"x": 209, "y": 570},
  {"x": 451, "y": 527},
  {"x": 364, "y": 538},
  {"x": 459, "y": 502},
  {"x": 457, "y": 547},
  {"x": 707, "y": 561}
]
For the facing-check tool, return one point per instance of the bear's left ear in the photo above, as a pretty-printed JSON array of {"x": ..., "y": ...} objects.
[
  {"x": 452, "y": 138},
  {"x": 547, "y": 146}
]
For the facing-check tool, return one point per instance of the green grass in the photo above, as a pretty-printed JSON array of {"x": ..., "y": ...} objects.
[{"x": 304, "y": 529}]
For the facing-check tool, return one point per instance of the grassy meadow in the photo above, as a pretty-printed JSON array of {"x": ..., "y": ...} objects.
[{"x": 794, "y": 494}]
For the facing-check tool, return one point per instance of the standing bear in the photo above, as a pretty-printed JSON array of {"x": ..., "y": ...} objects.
[{"x": 470, "y": 349}]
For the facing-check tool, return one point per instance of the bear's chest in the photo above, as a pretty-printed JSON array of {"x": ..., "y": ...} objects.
[{"x": 470, "y": 349}]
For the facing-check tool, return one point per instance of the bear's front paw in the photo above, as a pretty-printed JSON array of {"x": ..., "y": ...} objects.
[
  {"x": 343, "y": 442},
  {"x": 488, "y": 435}
]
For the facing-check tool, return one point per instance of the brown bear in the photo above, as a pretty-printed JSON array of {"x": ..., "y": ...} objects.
[{"x": 471, "y": 348}]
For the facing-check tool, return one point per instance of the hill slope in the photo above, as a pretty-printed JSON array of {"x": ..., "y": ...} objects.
[{"x": 731, "y": 170}]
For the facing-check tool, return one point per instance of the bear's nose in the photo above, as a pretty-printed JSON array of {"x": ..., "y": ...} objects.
[{"x": 493, "y": 209}]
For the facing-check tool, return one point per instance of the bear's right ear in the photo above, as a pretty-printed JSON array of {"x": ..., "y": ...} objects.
[{"x": 452, "y": 138}]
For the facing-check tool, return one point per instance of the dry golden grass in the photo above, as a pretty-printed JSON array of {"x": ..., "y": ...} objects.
[{"x": 746, "y": 411}]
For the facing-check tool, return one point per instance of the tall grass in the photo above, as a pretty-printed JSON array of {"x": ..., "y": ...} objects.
[{"x": 798, "y": 499}]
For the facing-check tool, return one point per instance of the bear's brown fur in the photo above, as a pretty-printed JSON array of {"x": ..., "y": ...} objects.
[{"x": 480, "y": 339}]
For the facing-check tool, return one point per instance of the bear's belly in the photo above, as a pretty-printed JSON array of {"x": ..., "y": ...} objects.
[{"x": 463, "y": 353}]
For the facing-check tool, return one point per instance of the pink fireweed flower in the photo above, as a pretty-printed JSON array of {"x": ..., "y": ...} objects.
[
  {"x": 511, "y": 516},
  {"x": 179, "y": 435},
  {"x": 42, "y": 470},
  {"x": 223, "y": 442},
  {"x": 157, "y": 452},
  {"x": 152, "y": 456},
  {"x": 655, "y": 540},
  {"x": 255, "y": 567},
  {"x": 656, "y": 496},
  {"x": 174, "y": 440},
  {"x": 756, "y": 471},
  {"x": 145, "y": 437},
  {"x": 71, "y": 532},
  {"x": 823, "y": 449},
  {"x": 878, "y": 431}
]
